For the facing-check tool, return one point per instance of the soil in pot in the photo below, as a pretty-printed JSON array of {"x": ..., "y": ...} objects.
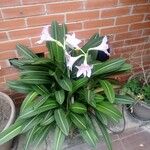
[{"x": 5, "y": 111}]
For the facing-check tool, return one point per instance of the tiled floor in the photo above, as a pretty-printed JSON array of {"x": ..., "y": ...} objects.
[
  {"x": 135, "y": 137},
  {"x": 132, "y": 139}
]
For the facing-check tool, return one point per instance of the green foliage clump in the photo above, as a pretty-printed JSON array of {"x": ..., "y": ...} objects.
[{"x": 57, "y": 99}]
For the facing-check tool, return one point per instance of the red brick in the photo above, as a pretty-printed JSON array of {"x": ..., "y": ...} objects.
[
  {"x": 86, "y": 34},
  {"x": 8, "y": 54},
  {"x": 139, "y": 53},
  {"x": 2, "y": 80},
  {"x": 131, "y": 2},
  {"x": 23, "y": 11},
  {"x": 123, "y": 49},
  {"x": 11, "y": 45},
  {"x": 136, "y": 41},
  {"x": 114, "y": 30},
  {"x": 147, "y": 17},
  {"x": 74, "y": 26},
  {"x": 129, "y": 19},
  {"x": 138, "y": 26},
  {"x": 4, "y": 3},
  {"x": 81, "y": 16},
  {"x": 8, "y": 71},
  {"x": 3, "y": 36},
  {"x": 146, "y": 32},
  {"x": 4, "y": 63},
  {"x": 98, "y": 23},
  {"x": 147, "y": 46},
  {"x": 0, "y": 15},
  {"x": 141, "y": 9},
  {"x": 3, "y": 87},
  {"x": 117, "y": 44},
  {"x": 12, "y": 24},
  {"x": 113, "y": 12},
  {"x": 43, "y": 20},
  {"x": 64, "y": 7},
  {"x": 13, "y": 76},
  {"x": 27, "y": 2},
  {"x": 25, "y": 33},
  {"x": 128, "y": 35},
  {"x": 91, "y": 4},
  {"x": 40, "y": 49}
]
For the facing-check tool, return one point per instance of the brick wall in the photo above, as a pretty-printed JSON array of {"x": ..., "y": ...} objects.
[{"x": 126, "y": 21}]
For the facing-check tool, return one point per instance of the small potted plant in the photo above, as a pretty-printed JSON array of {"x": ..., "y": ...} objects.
[
  {"x": 69, "y": 90},
  {"x": 138, "y": 87},
  {"x": 7, "y": 116}
]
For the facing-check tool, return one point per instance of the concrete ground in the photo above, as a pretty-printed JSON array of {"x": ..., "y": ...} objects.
[{"x": 135, "y": 137}]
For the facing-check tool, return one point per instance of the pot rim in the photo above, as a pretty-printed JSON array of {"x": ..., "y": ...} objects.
[{"x": 13, "y": 111}]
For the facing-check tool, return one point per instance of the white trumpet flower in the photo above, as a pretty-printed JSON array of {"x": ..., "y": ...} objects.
[
  {"x": 72, "y": 41},
  {"x": 102, "y": 47}
]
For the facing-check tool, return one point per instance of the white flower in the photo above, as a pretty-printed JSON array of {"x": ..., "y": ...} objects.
[
  {"x": 72, "y": 41},
  {"x": 45, "y": 36},
  {"x": 71, "y": 60},
  {"x": 84, "y": 69},
  {"x": 103, "y": 46}
]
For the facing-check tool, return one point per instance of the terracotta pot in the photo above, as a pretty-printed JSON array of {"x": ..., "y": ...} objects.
[{"x": 11, "y": 119}]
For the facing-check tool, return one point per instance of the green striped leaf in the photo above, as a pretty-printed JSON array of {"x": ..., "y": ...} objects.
[
  {"x": 30, "y": 112},
  {"x": 105, "y": 135},
  {"x": 58, "y": 51},
  {"x": 59, "y": 139},
  {"x": 125, "y": 67},
  {"x": 102, "y": 117},
  {"x": 40, "y": 89},
  {"x": 107, "y": 67},
  {"x": 40, "y": 136},
  {"x": 61, "y": 120},
  {"x": 98, "y": 98},
  {"x": 48, "y": 121},
  {"x": 66, "y": 84},
  {"x": 78, "y": 108},
  {"x": 108, "y": 90},
  {"x": 60, "y": 96},
  {"x": 36, "y": 79},
  {"x": 108, "y": 109},
  {"x": 35, "y": 67},
  {"x": 41, "y": 61},
  {"x": 89, "y": 95},
  {"x": 19, "y": 86},
  {"x": 29, "y": 137},
  {"x": 79, "y": 83},
  {"x": 90, "y": 137},
  {"x": 25, "y": 52},
  {"x": 10, "y": 132},
  {"x": 30, "y": 123},
  {"x": 28, "y": 100},
  {"x": 124, "y": 99},
  {"x": 34, "y": 72},
  {"x": 78, "y": 120},
  {"x": 47, "y": 116}
]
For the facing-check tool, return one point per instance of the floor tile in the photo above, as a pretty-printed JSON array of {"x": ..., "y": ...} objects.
[{"x": 139, "y": 141}]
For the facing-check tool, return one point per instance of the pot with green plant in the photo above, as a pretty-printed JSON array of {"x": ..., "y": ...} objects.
[
  {"x": 69, "y": 90},
  {"x": 138, "y": 87}
]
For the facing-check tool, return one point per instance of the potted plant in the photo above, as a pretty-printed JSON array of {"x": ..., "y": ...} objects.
[
  {"x": 68, "y": 90},
  {"x": 138, "y": 87},
  {"x": 7, "y": 116}
]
